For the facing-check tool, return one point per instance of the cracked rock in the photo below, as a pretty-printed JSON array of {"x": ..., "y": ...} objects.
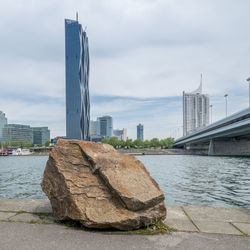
[{"x": 101, "y": 188}]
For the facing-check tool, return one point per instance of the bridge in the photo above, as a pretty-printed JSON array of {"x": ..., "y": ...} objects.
[{"x": 229, "y": 136}]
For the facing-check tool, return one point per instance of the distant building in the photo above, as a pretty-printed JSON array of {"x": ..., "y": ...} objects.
[
  {"x": 106, "y": 126},
  {"x": 140, "y": 135},
  {"x": 41, "y": 135},
  {"x": 17, "y": 133},
  {"x": 94, "y": 128},
  {"x": 121, "y": 134},
  {"x": 195, "y": 110},
  {"x": 3, "y": 122},
  {"x": 77, "y": 81}
]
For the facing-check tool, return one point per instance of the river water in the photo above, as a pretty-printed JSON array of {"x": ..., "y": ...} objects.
[{"x": 185, "y": 179}]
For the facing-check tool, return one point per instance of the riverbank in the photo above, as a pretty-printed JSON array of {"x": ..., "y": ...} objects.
[
  {"x": 154, "y": 151},
  {"x": 29, "y": 224}
]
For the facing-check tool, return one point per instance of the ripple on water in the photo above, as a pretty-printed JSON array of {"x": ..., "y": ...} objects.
[{"x": 185, "y": 180}]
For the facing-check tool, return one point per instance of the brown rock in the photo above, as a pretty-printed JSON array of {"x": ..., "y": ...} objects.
[{"x": 94, "y": 184}]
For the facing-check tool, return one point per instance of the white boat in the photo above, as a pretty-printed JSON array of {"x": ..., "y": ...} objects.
[{"x": 21, "y": 151}]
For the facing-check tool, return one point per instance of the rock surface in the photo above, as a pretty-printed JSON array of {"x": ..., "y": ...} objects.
[{"x": 100, "y": 187}]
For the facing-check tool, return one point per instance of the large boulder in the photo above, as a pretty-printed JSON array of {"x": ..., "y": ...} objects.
[{"x": 100, "y": 187}]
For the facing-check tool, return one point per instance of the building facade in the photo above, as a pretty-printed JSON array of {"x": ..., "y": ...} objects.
[
  {"x": 121, "y": 134},
  {"x": 3, "y": 122},
  {"x": 77, "y": 81},
  {"x": 41, "y": 135},
  {"x": 140, "y": 132},
  {"x": 195, "y": 110},
  {"x": 17, "y": 133},
  {"x": 106, "y": 126}
]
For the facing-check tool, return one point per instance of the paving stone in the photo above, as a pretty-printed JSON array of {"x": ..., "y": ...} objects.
[
  {"x": 174, "y": 212},
  {"x": 218, "y": 214},
  {"x": 26, "y": 217},
  {"x": 244, "y": 227},
  {"x": 26, "y": 205},
  {"x": 6, "y": 215},
  {"x": 216, "y": 227},
  {"x": 177, "y": 219},
  {"x": 181, "y": 225}
]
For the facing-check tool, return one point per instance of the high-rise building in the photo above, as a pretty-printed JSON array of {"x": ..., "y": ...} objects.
[
  {"x": 3, "y": 122},
  {"x": 106, "y": 126},
  {"x": 17, "y": 133},
  {"x": 77, "y": 81},
  {"x": 140, "y": 135},
  {"x": 195, "y": 110},
  {"x": 94, "y": 128},
  {"x": 121, "y": 134},
  {"x": 41, "y": 135}
]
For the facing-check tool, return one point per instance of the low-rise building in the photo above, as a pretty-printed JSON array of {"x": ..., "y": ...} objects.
[
  {"x": 17, "y": 133},
  {"x": 41, "y": 135}
]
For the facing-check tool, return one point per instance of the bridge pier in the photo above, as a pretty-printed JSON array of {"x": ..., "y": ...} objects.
[{"x": 231, "y": 147}]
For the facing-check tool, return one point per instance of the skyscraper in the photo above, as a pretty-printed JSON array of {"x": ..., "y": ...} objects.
[
  {"x": 106, "y": 126},
  {"x": 77, "y": 81},
  {"x": 195, "y": 110},
  {"x": 140, "y": 135},
  {"x": 3, "y": 122}
]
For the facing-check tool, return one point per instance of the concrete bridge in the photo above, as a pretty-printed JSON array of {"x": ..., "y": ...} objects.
[{"x": 229, "y": 136}]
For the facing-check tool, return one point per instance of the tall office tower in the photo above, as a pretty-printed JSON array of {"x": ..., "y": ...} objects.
[
  {"x": 195, "y": 110},
  {"x": 77, "y": 81},
  {"x": 3, "y": 122},
  {"x": 41, "y": 135},
  {"x": 106, "y": 126},
  {"x": 140, "y": 132}
]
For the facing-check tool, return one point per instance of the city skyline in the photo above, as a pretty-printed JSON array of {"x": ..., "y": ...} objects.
[{"x": 134, "y": 78}]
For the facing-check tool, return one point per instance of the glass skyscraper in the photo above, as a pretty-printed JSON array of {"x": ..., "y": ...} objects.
[{"x": 77, "y": 81}]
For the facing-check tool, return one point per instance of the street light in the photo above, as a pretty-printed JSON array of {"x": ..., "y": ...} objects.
[
  {"x": 211, "y": 107},
  {"x": 248, "y": 79},
  {"x": 226, "y": 95}
]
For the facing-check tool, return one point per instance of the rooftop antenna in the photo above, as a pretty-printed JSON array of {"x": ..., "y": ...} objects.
[
  {"x": 200, "y": 88},
  {"x": 77, "y": 16}
]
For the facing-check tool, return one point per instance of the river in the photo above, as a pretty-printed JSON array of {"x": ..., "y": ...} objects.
[{"x": 185, "y": 179}]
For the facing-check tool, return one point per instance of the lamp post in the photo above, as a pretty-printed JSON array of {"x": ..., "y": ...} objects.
[
  {"x": 226, "y": 95},
  {"x": 248, "y": 79},
  {"x": 211, "y": 108}
]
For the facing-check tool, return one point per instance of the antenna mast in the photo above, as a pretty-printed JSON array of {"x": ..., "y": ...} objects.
[{"x": 77, "y": 16}]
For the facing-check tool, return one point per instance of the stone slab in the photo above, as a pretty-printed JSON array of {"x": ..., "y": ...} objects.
[
  {"x": 217, "y": 227},
  {"x": 6, "y": 215},
  {"x": 26, "y": 217},
  {"x": 244, "y": 227},
  {"x": 181, "y": 225},
  {"x": 174, "y": 212},
  {"x": 218, "y": 214},
  {"x": 177, "y": 219},
  {"x": 25, "y": 205}
]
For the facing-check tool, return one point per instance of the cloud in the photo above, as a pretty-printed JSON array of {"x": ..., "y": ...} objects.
[{"x": 141, "y": 51}]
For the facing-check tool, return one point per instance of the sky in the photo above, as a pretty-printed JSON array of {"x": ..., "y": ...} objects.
[{"x": 143, "y": 54}]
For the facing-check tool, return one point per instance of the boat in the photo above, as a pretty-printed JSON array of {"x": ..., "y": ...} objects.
[
  {"x": 3, "y": 152},
  {"x": 21, "y": 151}
]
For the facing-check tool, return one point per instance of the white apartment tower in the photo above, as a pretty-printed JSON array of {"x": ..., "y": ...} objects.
[{"x": 195, "y": 110}]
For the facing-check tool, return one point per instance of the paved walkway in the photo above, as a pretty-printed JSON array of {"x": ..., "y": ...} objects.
[{"x": 29, "y": 224}]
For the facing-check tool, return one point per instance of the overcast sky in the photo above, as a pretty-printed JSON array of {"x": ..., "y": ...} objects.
[{"x": 144, "y": 53}]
